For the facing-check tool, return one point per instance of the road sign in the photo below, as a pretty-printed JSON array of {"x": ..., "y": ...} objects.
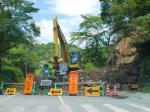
[
  {"x": 46, "y": 82},
  {"x": 63, "y": 68},
  {"x": 92, "y": 91},
  {"x": 11, "y": 91},
  {"x": 46, "y": 69},
  {"x": 73, "y": 83},
  {"x": 55, "y": 92}
]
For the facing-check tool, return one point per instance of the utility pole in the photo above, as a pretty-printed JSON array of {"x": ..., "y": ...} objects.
[
  {"x": 25, "y": 64},
  {"x": 0, "y": 69},
  {"x": 25, "y": 60}
]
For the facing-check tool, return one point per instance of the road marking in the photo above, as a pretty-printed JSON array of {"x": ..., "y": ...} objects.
[
  {"x": 61, "y": 100},
  {"x": 18, "y": 109},
  {"x": 115, "y": 108},
  {"x": 64, "y": 107},
  {"x": 42, "y": 109},
  {"x": 90, "y": 108},
  {"x": 7, "y": 98},
  {"x": 141, "y": 107}
]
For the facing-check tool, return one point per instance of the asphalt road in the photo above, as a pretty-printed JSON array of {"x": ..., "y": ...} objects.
[{"x": 29, "y": 103}]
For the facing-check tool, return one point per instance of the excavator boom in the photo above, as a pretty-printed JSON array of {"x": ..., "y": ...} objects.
[{"x": 58, "y": 35}]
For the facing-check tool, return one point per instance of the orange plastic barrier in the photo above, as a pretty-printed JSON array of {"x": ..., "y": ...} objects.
[
  {"x": 29, "y": 84},
  {"x": 73, "y": 83}
]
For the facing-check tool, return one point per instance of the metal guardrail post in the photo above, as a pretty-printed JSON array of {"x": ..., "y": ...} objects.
[
  {"x": 55, "y": 86},
  {"x": 2, "y": 88},
  {"x": 46, "y": 90},
  {"x": 34, "y": 87},
  {"x": 103, "y": 89}
]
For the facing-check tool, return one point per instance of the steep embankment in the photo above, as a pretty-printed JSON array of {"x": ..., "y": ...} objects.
[
  {"x": 125, "y": 59},
  {"x": 123, "y": 65}
]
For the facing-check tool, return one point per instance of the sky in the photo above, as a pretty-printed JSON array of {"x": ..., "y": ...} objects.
[{"x": 68, "y": 13}]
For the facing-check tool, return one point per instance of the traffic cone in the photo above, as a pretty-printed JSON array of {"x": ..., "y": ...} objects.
[
  {"x": 107, "y": 93},
  {"x": 114, "y": 90}
]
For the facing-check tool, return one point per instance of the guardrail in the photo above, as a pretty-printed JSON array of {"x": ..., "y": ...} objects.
[{"x": 80, "y": 83}]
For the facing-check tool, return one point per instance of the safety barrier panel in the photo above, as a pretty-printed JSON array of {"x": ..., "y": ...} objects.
[
  {"x": 73, "y": 83},
  {"x": 29, "y": 84}
]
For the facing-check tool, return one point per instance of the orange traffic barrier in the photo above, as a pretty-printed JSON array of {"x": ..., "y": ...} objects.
[
  {"x": 28, "y": 84},
  {"x": 107, "y": 93},
  {"x": 114, "y": 90},
  {"x": 73, "y": 83}
]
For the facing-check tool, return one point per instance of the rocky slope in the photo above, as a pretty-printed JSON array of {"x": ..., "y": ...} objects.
[{"x": 123, "y": 65}]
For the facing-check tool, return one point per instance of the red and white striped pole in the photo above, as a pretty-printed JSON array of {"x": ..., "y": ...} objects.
[
  {"x": 107, "y": 93},
  {"x": 114, "y": 90}
]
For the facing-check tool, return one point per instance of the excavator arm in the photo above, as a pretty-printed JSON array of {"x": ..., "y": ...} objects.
[
  {"x": 58, "y": 34},
  {"x": 57, "y": 59}
]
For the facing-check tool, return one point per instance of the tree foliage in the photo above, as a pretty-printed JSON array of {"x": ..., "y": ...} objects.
[
  {"x": 16, "y": 25},
  {"x": 92, "y": 32},
  {"x": 97, "y": 39},
  {"x": 127, "y": 17},
  {"x": 89, "y": 67}
]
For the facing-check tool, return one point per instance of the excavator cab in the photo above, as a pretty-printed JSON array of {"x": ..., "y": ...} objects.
[
  {"x": 74, "y": 57},
  {"x": 74, "y": 61},
  {"x": 73, "y": 65}
]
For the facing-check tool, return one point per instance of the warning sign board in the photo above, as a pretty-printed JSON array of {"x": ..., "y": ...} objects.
[
  {"x": 73, "y": 82},
  {"x": 92, "y": 91},
  {"x": 46, "y": 82},
  {"x": 11, "y": 91},
  {"x": 55, "y": 92}
]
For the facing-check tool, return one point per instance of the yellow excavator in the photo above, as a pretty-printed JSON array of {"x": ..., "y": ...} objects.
[{"x": 63, "y": 61}]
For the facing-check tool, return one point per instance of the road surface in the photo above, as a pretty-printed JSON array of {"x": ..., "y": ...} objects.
[{"x": 29, "y": 103}]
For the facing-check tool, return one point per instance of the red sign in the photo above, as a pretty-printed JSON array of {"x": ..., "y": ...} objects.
[{"x": 55, "y": 92}]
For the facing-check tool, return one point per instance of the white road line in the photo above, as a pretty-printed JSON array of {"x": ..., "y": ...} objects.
[
  {"x": 143, "y": 108},
  {"x": 18, "y": 109},
  {"x": 115, "y": 108},
  {"x": 64, "y": 107},
  {"x": 42, "y": 109},
  {"x": 61, "y": 100},
  {"x": 90, "y": 108}
]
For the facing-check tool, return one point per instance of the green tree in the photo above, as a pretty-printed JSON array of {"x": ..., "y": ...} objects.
[
  {"x": 130, "y": 18},
  {"x": 89, "y": 67},
  {"x": 16, "y": 25},
  {"x": 96, "y": 36},
  {"x": 18, "y": 60},
  {"x": 44, "y": 53},
  {"x": 93, "y": 32},
  {"x": 127, "y": 17}
]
